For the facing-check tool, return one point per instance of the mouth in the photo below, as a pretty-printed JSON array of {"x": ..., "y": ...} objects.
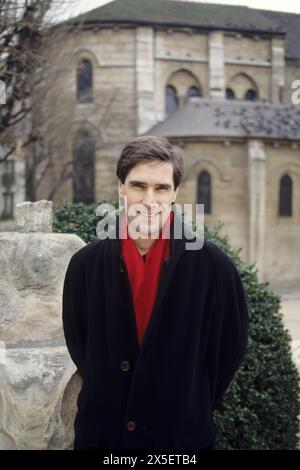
[{"x": 149, "y": 216}]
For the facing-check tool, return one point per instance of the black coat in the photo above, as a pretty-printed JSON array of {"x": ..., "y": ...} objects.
[{"x": 160, "y": 397}]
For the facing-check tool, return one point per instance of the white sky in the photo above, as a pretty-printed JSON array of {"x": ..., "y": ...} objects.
[{"x": 293, "y": 6}]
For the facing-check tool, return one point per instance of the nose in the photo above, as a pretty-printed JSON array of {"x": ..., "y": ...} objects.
[{"x": 149, "y": 201}]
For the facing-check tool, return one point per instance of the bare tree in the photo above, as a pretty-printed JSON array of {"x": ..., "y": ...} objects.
[
  {"x": 31, "y": 38},
  {"x": 22, "y": 30},
  {"x": 41, "y": 116}
]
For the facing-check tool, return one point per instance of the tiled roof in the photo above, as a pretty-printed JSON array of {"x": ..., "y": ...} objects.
[
  {"x": 289, "y": 22},
  {"x": 178, "y": 13},
  {"x": 203, "y": 117}
]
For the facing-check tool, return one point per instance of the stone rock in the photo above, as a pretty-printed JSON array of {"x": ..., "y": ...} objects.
[
  {"x": 33, "y": 399},
  {"x": 32, "y": 269},
  {"x": 34, "y": 216},
  {"x": 38, "y": 384}
]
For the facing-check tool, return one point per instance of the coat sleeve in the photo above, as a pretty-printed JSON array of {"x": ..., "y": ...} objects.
[
  {"x": 228, "y": 334},
  {"x": 74, "y": 313}
]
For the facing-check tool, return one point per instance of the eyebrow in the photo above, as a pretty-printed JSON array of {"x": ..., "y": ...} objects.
[{"x": 141, "y": 183}]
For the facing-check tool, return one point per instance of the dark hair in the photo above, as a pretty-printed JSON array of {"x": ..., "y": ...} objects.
[{"x": 150, "y": 147}]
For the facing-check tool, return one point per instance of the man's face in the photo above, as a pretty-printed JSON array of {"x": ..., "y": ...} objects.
[{"x": 151, "y": 186}]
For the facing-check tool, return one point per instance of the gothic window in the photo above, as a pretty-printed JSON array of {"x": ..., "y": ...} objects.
[
  {"x": 8, "y": 205},
  {"x": 171, "y": 98},
  {"x": 204, "y": 191},
  {"x": 83, "y": 167},
  {"x": 8, "y": 176},
  {"x": 250, "y": 95},
  {"x": 230, "y": 94},
  {"x": 285, "y": 195},
  {"x": 84, "y": 81},
  {"x": 192, "y": 91}
]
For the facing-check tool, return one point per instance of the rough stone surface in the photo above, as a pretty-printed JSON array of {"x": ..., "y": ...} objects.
[
  {"x": 34, "y": 216},
  {"x": 35, "y": 411},
  {"x": 38, "y": 384},
  {"x": 32, "y": 269}
]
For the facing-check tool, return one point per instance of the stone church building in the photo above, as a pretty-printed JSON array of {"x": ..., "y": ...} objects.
[{"x": 217, "y": 81}]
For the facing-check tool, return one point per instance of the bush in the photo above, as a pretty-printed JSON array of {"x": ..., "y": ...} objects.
[
  {"x": 79, "y": 219},
  {"x": 260, "y": 410},
  {"x": 261, "y": 407}
]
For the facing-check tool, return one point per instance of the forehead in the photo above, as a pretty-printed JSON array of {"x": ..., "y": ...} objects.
[{"x": 151, "y": 172}]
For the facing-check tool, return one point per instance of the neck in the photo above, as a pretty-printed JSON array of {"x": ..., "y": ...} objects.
[{"x": 144, "y": 244}]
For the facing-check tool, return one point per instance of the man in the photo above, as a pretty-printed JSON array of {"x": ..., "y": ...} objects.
[{"x": 156, "y": 330}]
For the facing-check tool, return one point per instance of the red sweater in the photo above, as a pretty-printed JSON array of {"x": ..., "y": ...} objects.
[{"x": 145, "y": 275}]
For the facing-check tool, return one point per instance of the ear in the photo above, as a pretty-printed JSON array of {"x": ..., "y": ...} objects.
[
  {"x": 120, "y": 187},
  {"x": 175, "y": 194}
]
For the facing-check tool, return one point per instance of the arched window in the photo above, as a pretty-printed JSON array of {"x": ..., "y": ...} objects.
[
  {"x": 250, "y": 95},
  {"x": 83, "y": 167},
  {"x": 84, "y": 81},
  {"x": 171, "y": 99},
  {"x": 243, "y": 86},
  {"x": 192, "y": 91},
  {"x": 285, "y": 195},
  {"x": 8, "y": 205},
  {"x": 204, "y": 191},
  {"x": 230, "y": 94}
]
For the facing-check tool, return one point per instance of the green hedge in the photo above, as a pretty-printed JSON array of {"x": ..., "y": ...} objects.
[
  {"x": 79, "y": 219},
  {"x": 261, "y": 407}
]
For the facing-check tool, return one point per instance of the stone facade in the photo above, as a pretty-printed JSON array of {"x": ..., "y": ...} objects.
[{"x": 132, "y": 65}]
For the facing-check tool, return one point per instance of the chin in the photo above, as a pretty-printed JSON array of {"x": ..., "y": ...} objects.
[{"x": 145, "y": 229}]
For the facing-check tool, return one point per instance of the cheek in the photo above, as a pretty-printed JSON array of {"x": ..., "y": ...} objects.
[
  {"x": 131, "y": 199},
  {"x": 134, "y": 202},
  {"x": 166, "y": 199}
]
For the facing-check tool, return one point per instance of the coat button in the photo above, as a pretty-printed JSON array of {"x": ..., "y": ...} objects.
[
  {"x": 131, "y": 425},
  {"x": 125, "y": 366}
]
